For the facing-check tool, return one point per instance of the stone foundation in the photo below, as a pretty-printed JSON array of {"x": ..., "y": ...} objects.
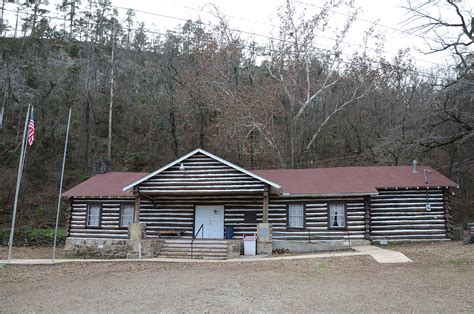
[
  {"x": 103, "y": 248},
  {"x": 264, "y": 247},
  {"x": 317, "y": 246},
  {"x": 133, "y": 249},
  {"x": 233, "y": 248},
  {"x": 143, "y": 248},
  {"x": 112, "y": 248},
  {"x": 264, "y": 239},
  {"x": 136, "y": 231},
  {"x": 125, "y": 248}
]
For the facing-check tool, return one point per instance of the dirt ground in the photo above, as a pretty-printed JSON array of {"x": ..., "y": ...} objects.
[
  {"x": 32, "y": 252},
  {"x": 440, "y": 279}
]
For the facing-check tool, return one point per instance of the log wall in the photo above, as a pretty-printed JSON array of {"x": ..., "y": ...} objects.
[
  {"x": 317, "y": 219},
  {"x": 402, "y": 215},
  {"x": 201, "y": 175},
  {"x": 110, "y": 218},
  {"x": 393, "y": 215},
  {"x": 171, "y": 213}
]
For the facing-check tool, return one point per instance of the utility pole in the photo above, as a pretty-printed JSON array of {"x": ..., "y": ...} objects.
[
  {"x": 1, "y": 19},
  {"x": 109, "y": 146},
  {"x": 61, "y": 185},
  {"x": 18, "y": 183}
]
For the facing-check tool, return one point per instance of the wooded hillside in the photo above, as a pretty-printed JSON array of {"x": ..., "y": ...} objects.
[{"x": 282, "y": 104}]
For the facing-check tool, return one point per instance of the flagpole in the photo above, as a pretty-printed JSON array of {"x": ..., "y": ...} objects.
[
  {"x": 18, "y": 182},
  {"x": 61, "y": 185}
]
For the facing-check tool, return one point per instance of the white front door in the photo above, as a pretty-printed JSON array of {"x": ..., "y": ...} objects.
[{"x": 212, "y": 219}]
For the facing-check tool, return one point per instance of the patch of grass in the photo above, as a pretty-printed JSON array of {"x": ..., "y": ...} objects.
[
  {"x": 34, "y": 233},
  {"x": 458, "y": 261},
  {"x": 32, "y": 236},
  {"x": 321, "y": 267}
]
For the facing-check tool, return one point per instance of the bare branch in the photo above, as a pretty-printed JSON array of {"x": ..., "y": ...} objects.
[{"x": 332, "y": 114}]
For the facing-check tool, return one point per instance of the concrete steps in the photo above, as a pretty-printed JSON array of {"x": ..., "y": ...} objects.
[{"x": 200, "y": 248}]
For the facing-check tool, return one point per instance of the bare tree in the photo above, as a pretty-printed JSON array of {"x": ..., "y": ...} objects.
[
  {"x": 446, "y": 24},
  {"x": 307, "y": 76}
]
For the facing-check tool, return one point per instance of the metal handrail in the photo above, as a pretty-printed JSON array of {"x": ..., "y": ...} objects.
[
  {"x": 202, "y": 233},
  {"x": 201, "y": 228}
]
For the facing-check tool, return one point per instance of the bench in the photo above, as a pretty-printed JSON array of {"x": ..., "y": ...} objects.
[{"x": 171, "y": 232}]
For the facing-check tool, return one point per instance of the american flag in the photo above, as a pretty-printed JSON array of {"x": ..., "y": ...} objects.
[{"x": 31, "y": 128}]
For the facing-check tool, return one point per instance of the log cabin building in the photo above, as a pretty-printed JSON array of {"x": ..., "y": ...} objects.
[{"x": 201, "y": 195}]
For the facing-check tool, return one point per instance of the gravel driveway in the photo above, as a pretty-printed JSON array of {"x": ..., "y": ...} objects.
[{"x": 440, "y": 279}]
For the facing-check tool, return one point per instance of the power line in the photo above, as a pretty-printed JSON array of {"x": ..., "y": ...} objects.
[
  {"x": 238, "y": 44},
  {"x": 366, "y": 21},
  {"x": 311, "y": 163},
  {"x": 226, "y": 15},
  {"x": 467, "y": 160},
  {"x": 252, "y": 33},
  {"x": 266, "y": 36},
  {"x": 321, "y": 36},
  {"x": 375, "y": 23}
]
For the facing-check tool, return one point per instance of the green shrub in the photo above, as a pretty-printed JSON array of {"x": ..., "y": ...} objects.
[{"x": 33, "y": 237}]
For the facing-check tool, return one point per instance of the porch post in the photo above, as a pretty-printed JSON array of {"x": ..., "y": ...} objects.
[
  {"x": 264, "y": 229},
  {"x": 367, "y": 217},
  {"x": 136, "y": 212},
  {"x": 265, "y": 204}
]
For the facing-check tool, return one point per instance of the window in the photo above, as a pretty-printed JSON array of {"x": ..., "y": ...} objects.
[
  {"x": 337, "y": 215},
  {"x": 93, "y": 215},
  {"x": 126, "y": 215},
  {"x": 296, "y": 216}
]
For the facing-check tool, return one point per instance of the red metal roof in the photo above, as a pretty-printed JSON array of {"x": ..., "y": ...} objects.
[
  {"x": 107, "y": 184},
  {"x": 345, "y": 180},
  {"x": 342, "y": 180}
]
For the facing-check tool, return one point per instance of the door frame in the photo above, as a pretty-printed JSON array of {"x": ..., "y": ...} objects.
[{"x": 207, "y": 204}]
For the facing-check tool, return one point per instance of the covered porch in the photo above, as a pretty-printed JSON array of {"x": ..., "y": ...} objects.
[
  {"x": 203, "y": 216},
  {"x": 200, "y": 195}
]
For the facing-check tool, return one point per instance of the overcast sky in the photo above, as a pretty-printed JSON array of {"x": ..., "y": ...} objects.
[{"x": 260, "y": 16}]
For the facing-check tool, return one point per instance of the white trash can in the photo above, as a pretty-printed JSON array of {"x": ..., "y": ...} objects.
[{"x": 250, "y": 246}]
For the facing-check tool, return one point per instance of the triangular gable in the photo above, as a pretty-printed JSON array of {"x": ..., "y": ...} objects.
[{"x": 275, "y": 188}]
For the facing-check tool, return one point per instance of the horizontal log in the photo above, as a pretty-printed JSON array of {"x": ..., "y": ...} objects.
[
  {"x": 412, "y": 227},
  {"x": 95, "y": 235},
  {"x": 201, "y": 187},
  {"x": 408, "y": 231},
  {"x": 411, "y": 199},
  {"x": 197, "y": 192},
  {"x": 439, "y": 236}
]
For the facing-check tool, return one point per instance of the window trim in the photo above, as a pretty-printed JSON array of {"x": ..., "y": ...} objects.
[
  {"x": 88, "y": 213},
  {"x": 122, "y": 206},
  {"x": 329, "y": 215},
  {"x": 288, "y": 216}
]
